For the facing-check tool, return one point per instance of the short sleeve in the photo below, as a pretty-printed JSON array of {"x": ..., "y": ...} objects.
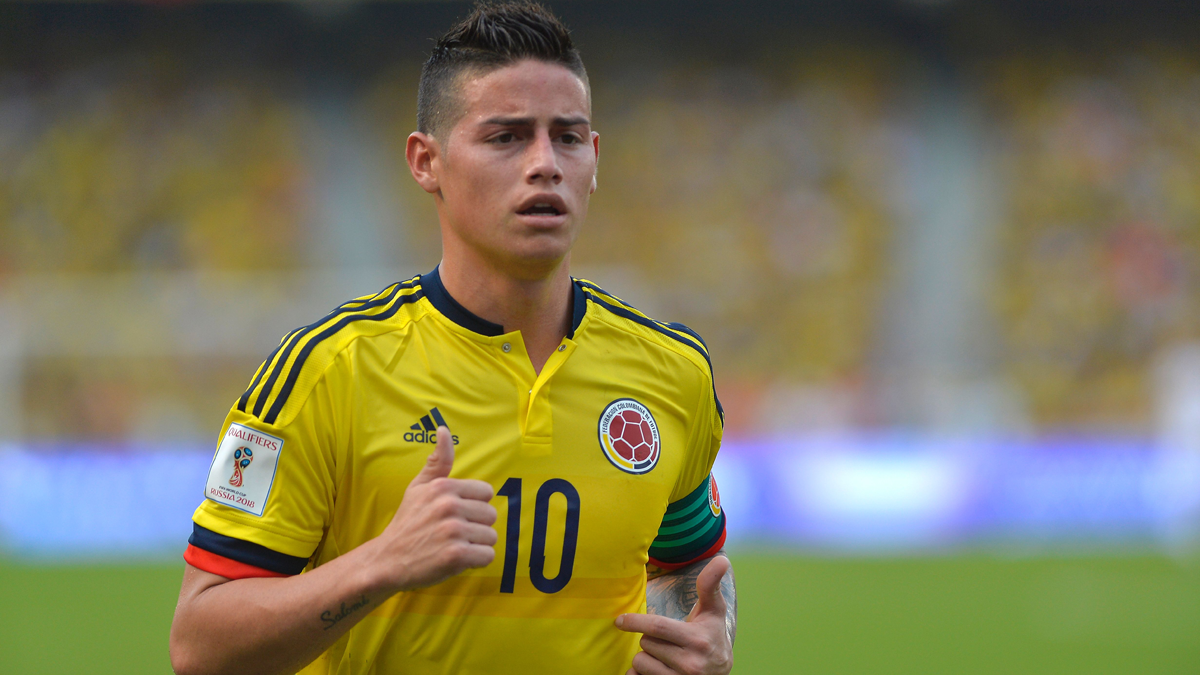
[
  {"x": 704, "y": 441},
  {"x": 269, "y": 490},
  {"x": 693, "y": 527}
]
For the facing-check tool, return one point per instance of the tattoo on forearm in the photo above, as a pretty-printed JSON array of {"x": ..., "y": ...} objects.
[
  {"x": 331, "y": 618},
  {"x": 673, "y": 594}
]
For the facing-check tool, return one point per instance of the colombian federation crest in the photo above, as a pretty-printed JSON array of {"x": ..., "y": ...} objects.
[{"x": 629, "y": 436}]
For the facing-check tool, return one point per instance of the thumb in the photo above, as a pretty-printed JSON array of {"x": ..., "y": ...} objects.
[
  {"x": 708, "y": 588},
  {"x": 440, "y": 462}
]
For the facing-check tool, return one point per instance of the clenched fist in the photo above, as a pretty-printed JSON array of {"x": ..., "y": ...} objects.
[{"x": 443, "y": 525}]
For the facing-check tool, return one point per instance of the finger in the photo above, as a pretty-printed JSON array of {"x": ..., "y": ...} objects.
[
  {"x": 469, "y": 488},
  {"x": 669, "y": 653},
  {"x": 708, "y": 588},
  {"x": 478, "y": 555},
  {"x": 646, "y": 664},
  {"x": 475, "y": 511},
  {"x": 661, "y": 627},
  {"x": 481, "y": 534},
  {"x": 440, "y": 461}
]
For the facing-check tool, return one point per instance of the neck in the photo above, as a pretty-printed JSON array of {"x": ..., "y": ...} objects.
[{"x": 538, "y": 306}]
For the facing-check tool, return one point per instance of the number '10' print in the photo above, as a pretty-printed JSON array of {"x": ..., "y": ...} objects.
[{"x": 537, "y": 556}]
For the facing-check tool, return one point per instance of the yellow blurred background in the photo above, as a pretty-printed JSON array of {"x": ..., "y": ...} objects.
[
  {"x": 872, "y": 226},
  {"x": 945, "y": 255}
]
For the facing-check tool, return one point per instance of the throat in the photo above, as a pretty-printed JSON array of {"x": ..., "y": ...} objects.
[{"x": 539, "y": 308}]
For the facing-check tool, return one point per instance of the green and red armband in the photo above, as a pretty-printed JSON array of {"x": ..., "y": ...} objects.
[{"x": 692, "y": 529}]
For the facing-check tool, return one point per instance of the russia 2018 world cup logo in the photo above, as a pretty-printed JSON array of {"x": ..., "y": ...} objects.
[{"x": 241, "y": 459}]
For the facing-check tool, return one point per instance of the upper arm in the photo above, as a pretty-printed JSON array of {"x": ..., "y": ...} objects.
[{"x": 195, "y": 582}]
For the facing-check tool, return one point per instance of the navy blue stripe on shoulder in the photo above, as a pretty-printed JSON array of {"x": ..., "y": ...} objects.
[
  {"x": 245, "y": 552},
  {"x": 593, "y": 287},
  {"x": 684, "y": 329},
  {"x": 358, "y": 302},
  {"x": 649, "y": 323},
  {"x": 297, "y": 335},
  {"x": 627, "y": 313},
  {"x": 673, "y": 325},
  {"x": 286, "y": 390},
  {"x": 262, "y": 371}
]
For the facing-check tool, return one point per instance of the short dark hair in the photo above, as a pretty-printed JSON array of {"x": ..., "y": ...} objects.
[{"x": 491, "y": 37}]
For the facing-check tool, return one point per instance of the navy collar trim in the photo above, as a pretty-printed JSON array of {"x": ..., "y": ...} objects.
[
  {"x": 449, "y": 307},
  {"x": 578, "y": 306},
  {"x": 442, "y": 301}
]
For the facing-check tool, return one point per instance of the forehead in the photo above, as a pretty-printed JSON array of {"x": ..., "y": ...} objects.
[{"x": 527, "y": 88}]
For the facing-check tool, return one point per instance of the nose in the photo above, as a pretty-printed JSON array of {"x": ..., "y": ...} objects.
[{"x": 543, "y": 161}]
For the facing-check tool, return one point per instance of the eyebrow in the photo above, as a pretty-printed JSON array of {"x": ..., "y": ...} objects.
[{"x": 529, "y": 121}]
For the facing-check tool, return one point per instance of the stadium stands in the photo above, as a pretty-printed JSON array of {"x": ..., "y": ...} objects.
[
  {"x": 1101, "y": 160},
  {"x": 756, "y": 202}
]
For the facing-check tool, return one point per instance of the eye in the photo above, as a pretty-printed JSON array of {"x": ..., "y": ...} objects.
[
  {"x": 571, "y": 139},
  {"x": 506, "y": 137}
]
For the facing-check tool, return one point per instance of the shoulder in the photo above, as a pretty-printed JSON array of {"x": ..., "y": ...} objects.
[
  {"x": 675, "y": 337},
  {"x": 672, "y": 337},
  {"x": 302, "y": 357}
]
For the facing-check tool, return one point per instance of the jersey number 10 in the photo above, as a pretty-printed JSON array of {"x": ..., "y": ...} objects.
[{"x": 537, "y": 556}]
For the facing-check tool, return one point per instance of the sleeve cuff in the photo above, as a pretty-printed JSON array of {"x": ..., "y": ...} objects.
[
  {"x": 216, "y": 552},
  {"x": 220, "y": 565}
]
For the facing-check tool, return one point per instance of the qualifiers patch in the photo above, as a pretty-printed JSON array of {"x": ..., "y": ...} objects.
[
  {"x": 714, "y": 497},
  {"x": 629, "y": 436},
  {"x": 243, "y": 469}
]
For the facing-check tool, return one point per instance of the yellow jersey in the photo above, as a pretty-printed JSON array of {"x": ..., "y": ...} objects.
[{"x": 601, "y": 463}]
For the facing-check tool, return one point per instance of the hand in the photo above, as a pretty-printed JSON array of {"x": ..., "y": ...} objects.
[
  {"x": 442, "y": 527},
  {"x": 698, "y": 645}
]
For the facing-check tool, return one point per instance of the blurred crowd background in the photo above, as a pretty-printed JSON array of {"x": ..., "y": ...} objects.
[
  {"x": 945, "y": 254},
  {"x": 920, "y": 238}
]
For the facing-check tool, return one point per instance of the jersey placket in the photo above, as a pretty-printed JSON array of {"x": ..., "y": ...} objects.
[{"x": 535, "y": 417}]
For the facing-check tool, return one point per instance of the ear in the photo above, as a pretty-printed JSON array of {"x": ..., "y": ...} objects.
[
  {"x": 596, "y": 147},
  {"x": 422, "y": 152}
]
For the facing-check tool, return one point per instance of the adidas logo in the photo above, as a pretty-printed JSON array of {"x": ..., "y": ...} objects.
[{"x": 425, "y": 431}]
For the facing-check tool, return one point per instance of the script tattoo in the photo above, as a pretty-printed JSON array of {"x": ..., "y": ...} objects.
[
  {"x": 332, "y": 619},
  {"x": 673, "y": 594}
]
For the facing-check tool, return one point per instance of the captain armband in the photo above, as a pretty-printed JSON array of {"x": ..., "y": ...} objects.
[{"x": 692, "y": 529}]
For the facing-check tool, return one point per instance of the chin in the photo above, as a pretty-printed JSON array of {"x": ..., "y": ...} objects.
[{"x": 538, "y": 258}]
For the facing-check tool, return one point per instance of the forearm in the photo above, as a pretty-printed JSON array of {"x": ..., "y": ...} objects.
[
  {"x": 270, "y": 625},
  {"x": 673, "y": 593}
]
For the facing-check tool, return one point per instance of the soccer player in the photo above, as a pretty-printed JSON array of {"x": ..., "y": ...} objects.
[{"x": 489, "y": 468}]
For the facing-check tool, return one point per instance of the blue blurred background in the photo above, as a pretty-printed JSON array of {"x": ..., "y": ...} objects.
[{"x": 946, "y": 256}]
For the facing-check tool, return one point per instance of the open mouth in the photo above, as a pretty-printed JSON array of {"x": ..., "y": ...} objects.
[{"x": 541, "y": 209}]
